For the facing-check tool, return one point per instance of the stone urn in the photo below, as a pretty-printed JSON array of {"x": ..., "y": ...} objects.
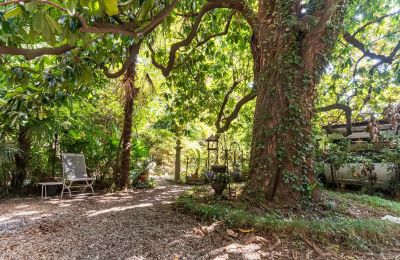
[{"x": 219, "y": 179}]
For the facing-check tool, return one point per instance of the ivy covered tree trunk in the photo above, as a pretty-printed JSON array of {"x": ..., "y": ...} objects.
[
  {"x": 130, "y": 94},
  {"x": 21, "y": 158},
  {"x": 289, "y": 58}
]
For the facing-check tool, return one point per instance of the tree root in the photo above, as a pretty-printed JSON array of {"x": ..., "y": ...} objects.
[
  {"x": 255, "y": 239},
  {"x": 277, "y": 242},
  {"x": 309, "y": 254},
  {"x": 314, "y": 247}
]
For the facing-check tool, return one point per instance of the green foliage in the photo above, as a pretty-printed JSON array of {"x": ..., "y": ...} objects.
[
  {"x": 7, "y": 155},
  {"x": 347, "y": 231},
  {"x": 375, "y": 202}
]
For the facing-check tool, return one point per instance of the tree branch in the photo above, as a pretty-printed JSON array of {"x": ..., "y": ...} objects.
[
  {"x": 325, "y": 15},
  {"x": 30, "y": 54},
  {"x": 124, "y": 28},
  {"x": 210, "y": 5},
  {"x": 133, "y": 50},
  {"x": 377, "y": 20},
  {"x": 156, "y": 20},
  {"x": 224, "y": 32},
  {"x": 223, "y": 105},
  {"x": 352, "y": 40},
  {"x": 347, "y": 110},
  {"x": 240, "y": 6},
  {"x": 235, "y": 112}
]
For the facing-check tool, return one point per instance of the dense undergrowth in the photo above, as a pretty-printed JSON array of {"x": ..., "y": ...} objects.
[{"x": 327, "y": 222}]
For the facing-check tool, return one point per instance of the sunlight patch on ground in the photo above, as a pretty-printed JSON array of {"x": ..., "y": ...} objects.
[
  {"x": 4, "y": 219},
  {"x": 250, "y": 251},
  {"x": 117, "y": 209},
  {"x": 22, "y": 206},
  {"x": 26, "y": 213}
]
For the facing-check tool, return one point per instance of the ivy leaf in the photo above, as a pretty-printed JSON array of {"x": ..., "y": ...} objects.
[
  {"x": 12, "y": 13},
  {"x": 111, "y": 7}
]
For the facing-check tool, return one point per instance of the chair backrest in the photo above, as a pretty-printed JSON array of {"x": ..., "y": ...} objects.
[{"x": 74, "y": 166}]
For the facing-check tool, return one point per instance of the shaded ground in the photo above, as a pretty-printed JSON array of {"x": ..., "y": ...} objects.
[{"x": 136, "y": 225}]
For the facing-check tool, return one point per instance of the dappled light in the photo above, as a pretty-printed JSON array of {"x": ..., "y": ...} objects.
[
  {"x": 199, "y": 129},
  {"x": 117, "y": 209}
]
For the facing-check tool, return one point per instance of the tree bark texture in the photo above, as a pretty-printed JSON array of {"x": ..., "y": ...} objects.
[
  {"x": 21, "y": 158},
  {"x": 288, "y": 63},
  {"x": 129, "y": 95}
]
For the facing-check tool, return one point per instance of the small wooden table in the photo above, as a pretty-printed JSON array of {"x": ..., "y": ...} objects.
[{"x": 44, "y": 187}]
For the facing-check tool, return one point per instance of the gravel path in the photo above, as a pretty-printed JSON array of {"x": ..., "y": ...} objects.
[{"x": 134, "y": 225}]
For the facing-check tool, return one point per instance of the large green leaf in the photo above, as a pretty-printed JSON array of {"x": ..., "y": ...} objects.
[
  {"x": 111, "y": 7},
  {"x": 85, "y": 3},
  {"x": 12, "y": 13},
  {"x": 146, "y": 8},
  {"x": 54, "y": 26},
  {"x": 38, "y": 22}
]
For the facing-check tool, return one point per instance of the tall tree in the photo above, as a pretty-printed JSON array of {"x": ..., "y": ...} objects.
[
  {"x": 291, "y": 44},
  {"x": 68, "y": 26}
]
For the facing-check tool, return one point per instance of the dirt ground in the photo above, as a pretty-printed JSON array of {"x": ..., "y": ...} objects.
[{"x": 136, "y": 225}]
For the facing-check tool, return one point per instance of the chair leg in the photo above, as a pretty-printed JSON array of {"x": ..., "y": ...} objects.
[
  {"x": 89, "y": 185},
  {"x": 69, "y": 190},
  {"x": 92, "y": 189},
  {"x": 62, "y": 192}
]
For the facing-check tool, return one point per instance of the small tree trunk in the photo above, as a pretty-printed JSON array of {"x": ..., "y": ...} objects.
[
  {"x": 21, "y": 159},
  {"x": 178, "y": 150},
  {"x": 130, "y": 94}
]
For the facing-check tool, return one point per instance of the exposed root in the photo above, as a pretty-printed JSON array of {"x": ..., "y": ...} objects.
[
  {"x": 277, "y": 242},
  {"x": 225, "y": 236},
  {"x": 315, "y": 247},
  {"x": 295, "y": 255},
  {"x": 309, "y": 254},
  {"x": 254, "y": 240}
]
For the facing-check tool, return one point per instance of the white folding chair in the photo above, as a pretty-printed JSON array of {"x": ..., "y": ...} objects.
[{"x": 74, "y": 173}]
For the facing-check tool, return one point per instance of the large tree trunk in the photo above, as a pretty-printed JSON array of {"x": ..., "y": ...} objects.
[
  {"x": 130, "y": 94},
  {"x": 21, "y": 158},
  {"x": 288, "y": 63}
]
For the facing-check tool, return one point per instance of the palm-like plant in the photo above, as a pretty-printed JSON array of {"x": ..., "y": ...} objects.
[{"x": 8, "y": 151}]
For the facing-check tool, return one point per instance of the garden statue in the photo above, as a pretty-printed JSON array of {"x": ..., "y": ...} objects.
[
  {"x": 373, "y": 128},
  {"x": 392, "y": 115}
]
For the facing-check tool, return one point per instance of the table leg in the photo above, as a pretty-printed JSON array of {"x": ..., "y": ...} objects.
[
  {"x": 42, "y": 192},
  {"x": 45, "y": 191}
]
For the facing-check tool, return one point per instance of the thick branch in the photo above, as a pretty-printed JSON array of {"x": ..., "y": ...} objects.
[
  {"x": 123, "y": 28},
  {"x": 347, "y": 110},
  {"x": 228, "y": 120},
  {"x": 211, "y": 5},
  {"x": 33, "y": 53},
  {"x": 223, "y": 105},
  {"x": 382, "y": 58},
  {"x": 325, "y": 15},
  {"x": 240, "y": 6},
  {"x": 133, "y": 50},
  {"x": 156, "y": 20}
]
